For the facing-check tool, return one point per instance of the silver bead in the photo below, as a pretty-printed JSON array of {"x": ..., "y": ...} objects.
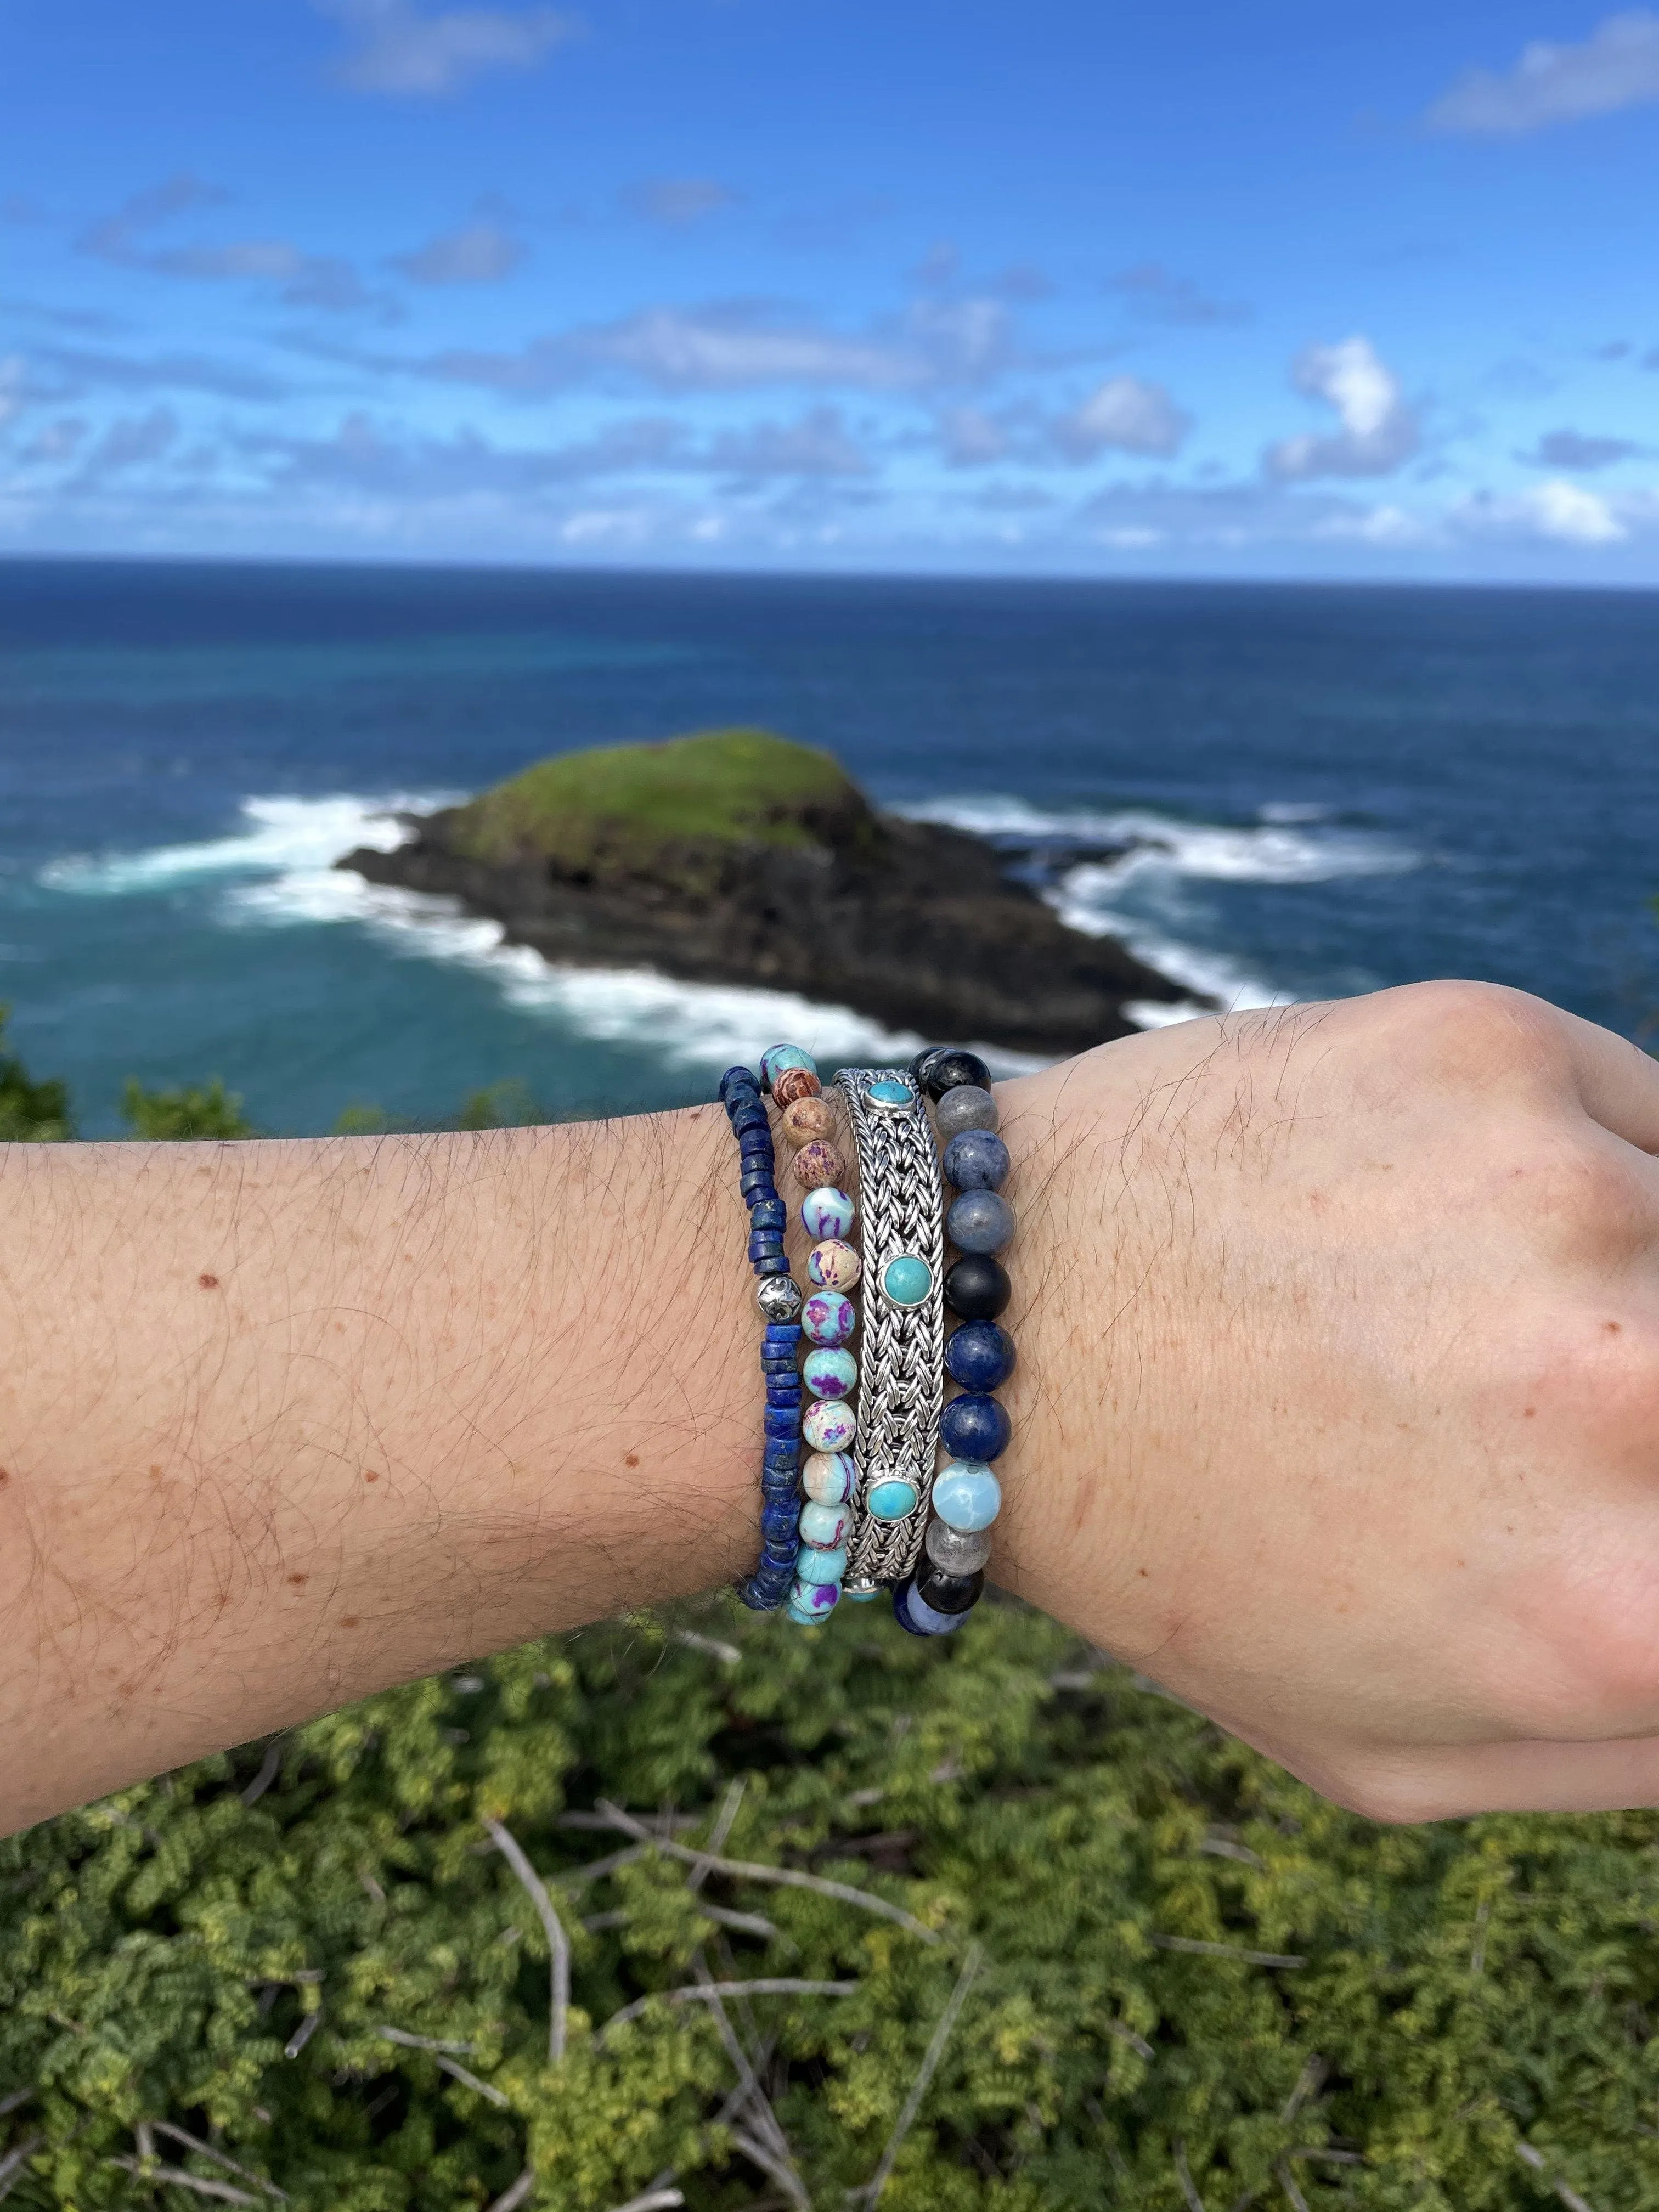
[
  {"x": 778, "y": 1298},
  {"x": 967, "y": 1107},
  {"x": 957, "y": 1551}
]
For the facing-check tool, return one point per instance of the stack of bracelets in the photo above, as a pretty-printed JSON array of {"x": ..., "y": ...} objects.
[{"x": 872, "y": 1509}]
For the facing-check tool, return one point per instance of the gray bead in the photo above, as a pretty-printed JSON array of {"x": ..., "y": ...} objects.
[
  {"x": 957, "y": 1551},
  {"x": 976, "y": 1160},
  {"x": 779, "y": 1297},
  {"x": 967, "y": 1107},
  {"x": 979, "y": 1221}
]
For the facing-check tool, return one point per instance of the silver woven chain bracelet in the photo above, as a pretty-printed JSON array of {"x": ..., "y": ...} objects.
[{"x": 900, "y": 1368}]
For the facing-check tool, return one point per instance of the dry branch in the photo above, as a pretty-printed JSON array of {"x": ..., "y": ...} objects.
[
  {"x": 947, "y": 2019},
  {"x": 558, "y": 1943}
]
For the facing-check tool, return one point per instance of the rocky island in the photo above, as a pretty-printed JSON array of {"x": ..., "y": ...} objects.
[{"x": 737, "y": 857}]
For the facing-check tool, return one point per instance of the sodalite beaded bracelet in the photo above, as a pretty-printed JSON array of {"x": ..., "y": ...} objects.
[
  {"x": 778, "y": 1295},
  {"x": 979, "y": 1356}
]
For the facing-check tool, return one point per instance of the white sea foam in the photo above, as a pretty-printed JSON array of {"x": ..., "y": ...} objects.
[
  {"x": 1138, "y": 898},
  {"x": 281, "y": 835},
  {"x": 279, "y": 872}
]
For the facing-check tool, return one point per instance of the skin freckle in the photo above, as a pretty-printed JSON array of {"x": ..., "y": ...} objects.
[
  {"x": 348, "y": 1620},
  {"x": 371, "y": 1474},
  {"x": 208, "y": 1282},
  {"x": 1532, "y": 1413},
  {"x": 299, "y": 1580},
  {"x": 1613, "y": 1328},
  {"x": 632, "y": 1460}
]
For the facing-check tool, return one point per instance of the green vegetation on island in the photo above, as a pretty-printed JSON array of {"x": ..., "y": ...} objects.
[
  {"x": 993, "y": 1919},
  {"x": 620, "y": 806}
]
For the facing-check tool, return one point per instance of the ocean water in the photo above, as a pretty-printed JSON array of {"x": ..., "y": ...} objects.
[{"x": 1316, "y": 791}]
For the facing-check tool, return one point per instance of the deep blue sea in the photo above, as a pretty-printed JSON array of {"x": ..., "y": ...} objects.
[{"x": 1321, "y": 791}]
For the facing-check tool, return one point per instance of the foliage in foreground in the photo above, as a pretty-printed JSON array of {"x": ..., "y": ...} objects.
[{"x": 1460, "y": 2016}]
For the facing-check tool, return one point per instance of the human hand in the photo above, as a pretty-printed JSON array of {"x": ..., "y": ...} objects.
[{"x": 1337, "y": 1408}]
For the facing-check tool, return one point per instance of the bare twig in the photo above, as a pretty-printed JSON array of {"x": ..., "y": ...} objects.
[
  {"x": 219, "y": 2158},
  {"x": 302, "y": 2034},
  {"x": 9, "y": 2103},
  {"x": 1125, "y": 2033},
  {"x": 1223, "y": 1847},
  {"x": 596, "y": 1869},
  {"x": 947, "y": 2019},
  {"x": 665, "y": 1824},
  {"x": 270, "y": 1767},
  {"x": 515, "y": 2192},
  {"x": 746, "y": 1923},
  {"x": 1184, "y": 2176},
  {"x": 1530, "y": 2155},
  {"x": 728, "y": 1653},
  {"x": 654, "y": 2200},
  {"x": 1309, "y": 2082},
  {"x": 725, "y": 1820},
  {"x": 471, "y": 2081},
  {"x": 1201, "y": 1950},
  {"x": 421, "y": 2042},
  {"x": 11, "y": 2166},
  {"x": 782, "y": 1877},
  {"x": 558, "y": 1943},
  {"x": 1286, "y": 2181},
  {"x": 178, "y": 2178},
  {"x": 773, "y": 2155},
  {"x": 776, "y": 1985}
]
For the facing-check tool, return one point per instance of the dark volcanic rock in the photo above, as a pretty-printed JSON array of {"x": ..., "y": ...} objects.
[{"x": 919, "y": 926}]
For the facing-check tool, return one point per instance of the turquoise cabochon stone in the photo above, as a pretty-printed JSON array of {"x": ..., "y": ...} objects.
[
  {"x": 907, "y": 1280},
  {"x": 892, "y": 1499},
  {"x": 892, "y": 1091}
]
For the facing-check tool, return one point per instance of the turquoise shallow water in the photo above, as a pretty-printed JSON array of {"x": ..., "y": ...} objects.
[{"x": 1321, "y": 790}]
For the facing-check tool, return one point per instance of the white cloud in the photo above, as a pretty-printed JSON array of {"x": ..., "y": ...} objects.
[
  {"x": 679, "y": 202},
  {"x": 1576, "y": 449},
  {"x": 818, "y": 444},
  {"x": 1379, "y": 431},
  {"x": 409, "y": 54},
  {"x": 1126, "y": 414},
  {"x": 1558, "y": 512},
  {"x": 303, "y": 280},
  {"x": 1374, "y": 526},
  {"x": 13, "y": 382},
  {"x": 481, "y": 253},
  {"x": 972, "y": 439},
  {"x": 1159, "y": 293},
  {"x": 1616, "y": 67}
]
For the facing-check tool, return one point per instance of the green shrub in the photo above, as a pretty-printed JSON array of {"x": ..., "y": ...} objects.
[
  {"x": 310, "y": 1967},
  {"x": 30, "y": 1113},
  {"x": 172, "y": 1116}
]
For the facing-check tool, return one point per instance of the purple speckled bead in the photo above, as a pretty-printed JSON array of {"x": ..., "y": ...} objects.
[
  {"x": 829, "y": 1425},
  {"x": 829, "y": 1372},
  {"x": 828, "y": 1317},
  {"x": 829, "y": 1478},
  {"x": 811, "y": 1601},
  {"x": 827, "y": 1212},
  {"x": 833, "y": 1265},
  {"x": 825, "y": 1526}
]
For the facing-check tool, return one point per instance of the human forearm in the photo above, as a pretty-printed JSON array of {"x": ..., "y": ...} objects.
[{"x": 281, "y": 1423}]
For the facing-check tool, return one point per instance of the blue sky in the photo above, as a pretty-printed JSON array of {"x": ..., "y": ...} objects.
[{"x": 1275, "y": 290}]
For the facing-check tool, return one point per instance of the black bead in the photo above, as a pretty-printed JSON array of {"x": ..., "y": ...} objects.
[
  {"x": 949, "y": 1067},
  {"x": 947, "y": 1593},
  {"x": 977, "y": 1288},
  {"x": 919, "y": 1065}
]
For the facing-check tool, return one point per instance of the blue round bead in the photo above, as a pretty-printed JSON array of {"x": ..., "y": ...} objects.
[
  {"x": 979, "y": 1221},
  {"x": 824, "y": 1525},
  {"x": 974, "y": 1427},
  {"x": 980, "y": 1356},
  {"x": 814, "y": 1565},
  {"x": 780, "y": 1056},
  {"x": 977, "y": 1160},
  {"x": 921, "y": 1620},
  {"x": 967, "y": 1495},
  {"x": 828, "y": 1318}
]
